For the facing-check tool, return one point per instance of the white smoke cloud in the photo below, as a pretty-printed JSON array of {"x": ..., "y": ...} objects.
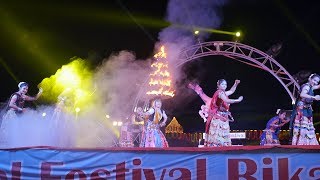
[{"x": 119, "y": 79}]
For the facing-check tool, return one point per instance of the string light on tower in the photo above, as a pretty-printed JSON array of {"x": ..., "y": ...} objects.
[{"x": 160, "y": 80}]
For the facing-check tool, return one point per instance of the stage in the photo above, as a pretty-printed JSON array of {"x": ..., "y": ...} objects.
[{"x": 234, "y": 162}]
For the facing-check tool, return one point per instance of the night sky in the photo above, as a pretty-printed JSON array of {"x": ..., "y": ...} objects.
[{"x": 37, "y": 38}]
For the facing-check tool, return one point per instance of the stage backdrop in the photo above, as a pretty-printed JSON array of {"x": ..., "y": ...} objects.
[{"x": 251, "y": 162}]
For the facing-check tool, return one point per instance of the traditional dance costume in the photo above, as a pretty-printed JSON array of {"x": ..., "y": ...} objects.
[
  {"x": 10, "y": 115},
  {"x": 217, "y": 125},
  {"x": 270, "y": 134},
  {"x": 303, "y": 129},
  {"x": 152, "y": 136}
]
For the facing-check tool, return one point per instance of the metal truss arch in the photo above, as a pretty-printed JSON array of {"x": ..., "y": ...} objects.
[
  {"x": 245, "y": 54},
  {"x": 240, "y": 52}
]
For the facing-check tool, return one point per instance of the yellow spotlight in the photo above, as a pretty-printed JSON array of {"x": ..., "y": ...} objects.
[
  {"x": 44, "y": 114},
  {"x": 107, "y": 116},
  {"x": 67, "y": 76},
  {"x": 196, "y": 32},
  {"x": 77, "y": 109},
  {"x": 238, "y": 34}
]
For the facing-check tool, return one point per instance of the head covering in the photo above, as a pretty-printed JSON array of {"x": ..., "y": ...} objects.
[
  {"x": 153, "y": 104},
  {"x": 22, "y": 84},
  {"x": 299, "y": 103},
  {"x": 313, "y": 76}
]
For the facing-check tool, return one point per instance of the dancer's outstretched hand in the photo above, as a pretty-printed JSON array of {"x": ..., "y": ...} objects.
[
  {"x": 40, "y": 91},
  {"x": 317, "y": 97},
  {"x": 198, "y": 89},
  {"x": 192, "y": 85},
  {"x": 162, "y": 124},
  {"x": 195, "y": 87},
  {"x": 240, "y": 98},
  {"x": 237, "y": 81}
]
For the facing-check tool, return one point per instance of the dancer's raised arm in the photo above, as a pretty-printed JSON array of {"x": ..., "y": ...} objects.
[
  {"x": 225, "y": 98},
  {"x": 233, "y": 88},
  {"x": 30, "y": 98},
  {"x": 206, "y": 99},
  {"x": 305, "y": 93}
]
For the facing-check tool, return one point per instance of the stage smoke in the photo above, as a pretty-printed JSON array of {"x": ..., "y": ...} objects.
[{"x": 185, "y": 16}]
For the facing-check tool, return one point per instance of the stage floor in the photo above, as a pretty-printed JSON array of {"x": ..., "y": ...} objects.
[{"x": 274, "y": 148}]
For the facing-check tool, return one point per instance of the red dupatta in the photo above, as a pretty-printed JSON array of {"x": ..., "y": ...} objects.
[{"x": 217, "y": 104}]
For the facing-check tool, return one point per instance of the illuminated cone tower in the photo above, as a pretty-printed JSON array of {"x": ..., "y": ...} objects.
[{"x": 160, "y": 83}]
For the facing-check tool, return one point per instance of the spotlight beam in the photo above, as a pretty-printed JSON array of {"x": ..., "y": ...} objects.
[
  {"x": 8, "y": 69},
  {"x": 25, "y": 39},
  {"x": 218, "y": 31},
  {"x": 208, "y": 30},
  {"x": 135, "y": 21}
]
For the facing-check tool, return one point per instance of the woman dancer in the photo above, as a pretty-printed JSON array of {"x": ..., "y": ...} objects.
[
  {"x": 17, "y": 99},
  {"x": 270, "y": 134},
  {"x": 152, "y": 136},
  {"x": 217, "y": 124},
  {"x": 304, "y": 132},
  {"x": 14, "y": 109}
]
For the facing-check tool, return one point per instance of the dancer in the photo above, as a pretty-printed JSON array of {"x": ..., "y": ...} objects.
[
  {"x": 128, "y": 134},
  {"x": 138, "y": 117},
  {"x": 62, "y": 124},
  {"x": 271, "y": 132},
  {"x": 14, "y": 109},
  {"x": 17, "y": 99},
  {"x": 218, "y": 115},
  {"x": 301, "y": 127},
  {"x": 64, "y": 106},
  {"x": 152, "y": 136},
  {"x": 126, "y": 139},
  {"x": 304, "y": 131}
]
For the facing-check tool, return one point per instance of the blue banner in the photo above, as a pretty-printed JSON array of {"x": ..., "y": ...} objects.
[{"x": 157, "y": 164}]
